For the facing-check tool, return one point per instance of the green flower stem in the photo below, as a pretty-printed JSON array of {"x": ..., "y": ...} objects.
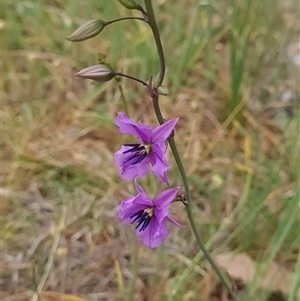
[
  {"x": 124, "y": 18},
  {"x": 131, "y": 77},
  {"x": 172, "y": 143},
  {"x": 153, "y": 25}
]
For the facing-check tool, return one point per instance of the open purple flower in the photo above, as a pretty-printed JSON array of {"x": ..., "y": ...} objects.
[
  {"x": 135, "y": 160},
  {"x": 149, "y": 216}
]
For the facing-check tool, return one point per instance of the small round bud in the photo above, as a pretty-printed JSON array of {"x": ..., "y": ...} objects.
[
  {"x": 98, "y": 73},
  {"x": 86, "y": 31},
  {"x": 130, "y": 4},
  {"x": 162, "y": 90}
]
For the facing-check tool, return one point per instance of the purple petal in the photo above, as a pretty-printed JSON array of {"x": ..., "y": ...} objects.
[
  {"x": 153, "y": 235},
  {"x": 160, "y": 213},
  {"x": 169, "y": 219},
  {"x": 119, "y": 157},
  {"x": 162, "y": 132},
  {"x": 138, "y": 188},
  {"x": 128, "y": 171},
  {"x": 158, "y": 162},
  {"x": 165, "y": 197},
  {"x": 134, "y": 171},
  {"x": 142, "y": 132},
  {"x": 129, "y": 207}
]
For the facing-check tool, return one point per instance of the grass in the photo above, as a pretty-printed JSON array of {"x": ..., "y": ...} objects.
[{"x": 234, "y": 87}]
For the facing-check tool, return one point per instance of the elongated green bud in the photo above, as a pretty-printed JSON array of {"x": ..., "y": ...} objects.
[
  {"x": 130, "y": 4},
  {"x": 86, "y": 31},
  {"x": 98, "y": 73}
]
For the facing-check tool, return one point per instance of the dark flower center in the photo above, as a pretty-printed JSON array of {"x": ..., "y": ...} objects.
[
  {"x": 142, "y": 218},
  {"x": 139, "y": 153}
]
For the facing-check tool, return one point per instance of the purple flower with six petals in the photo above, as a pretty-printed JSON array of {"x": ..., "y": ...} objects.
[
  {"x": 149, "y": 216},
  {"x": 134, "y": 160}
]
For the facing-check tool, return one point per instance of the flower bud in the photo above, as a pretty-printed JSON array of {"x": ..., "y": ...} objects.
[
  {"x": 162, "y": 90},
  {"x": 98, "y": 73},
  {"x": 130, "y": 4},
  {"x": 86, "y": 31}
]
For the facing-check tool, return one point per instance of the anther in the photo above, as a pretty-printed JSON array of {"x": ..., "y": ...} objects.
[{"x": 143, "y": 218}]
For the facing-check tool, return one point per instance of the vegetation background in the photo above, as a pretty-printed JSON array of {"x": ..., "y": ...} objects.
[{"x": 233, "y": 74}]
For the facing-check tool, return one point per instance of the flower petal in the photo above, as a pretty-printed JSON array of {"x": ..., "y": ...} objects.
[
  {"x": 160, "y": 213},
  {"x": 169, "y": 219},
  {"x": 153, "y": 235},
  {"x": 158, "y": 162},
  {"x": 119, "y": 157},
  {"x": 128, "y": 171},
  {"x": 134, "y": 171},
  {"x": 165, "y": 197},
  {"x": 142, "y": 132},
  {"x": 162, "y": 132},
  {"x": 138, "y": 188},
  {"x": 130, "y": 206}
]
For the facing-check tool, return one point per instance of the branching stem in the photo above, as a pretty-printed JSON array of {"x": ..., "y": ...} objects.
[
  {"x": 132, "y": 78},
  {"x": 172, "y": 143},
  {"x": 153, "y": 25},
  {"x": 124, "y": 18}
]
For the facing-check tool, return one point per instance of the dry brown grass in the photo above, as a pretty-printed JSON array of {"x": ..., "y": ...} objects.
[{"x": 60, "y": 190}]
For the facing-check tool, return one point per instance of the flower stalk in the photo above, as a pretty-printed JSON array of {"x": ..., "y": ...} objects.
[
  {"x": 135, "y": 160},
  {"x": 172, "y": 143},
  {"x": 132, "y": 78},
  {"x": 154, "y": 28},
  {"x": 92, "y": 28},
  {"x": 125, "y": 18}
]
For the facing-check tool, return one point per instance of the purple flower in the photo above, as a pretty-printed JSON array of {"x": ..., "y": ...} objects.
[
  {"x": 149, "y": 216},
  {"x": 135, "y": 160}
]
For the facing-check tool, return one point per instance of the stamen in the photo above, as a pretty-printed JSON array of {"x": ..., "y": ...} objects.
[
  {"x": 131, "y": 144},
  {"x": 146, "y": 223},
  {"x": 137, "y": 216},
  {"x": 142, "y": 222},
  {"x": 135, "y": 148},
  {"x": 143, "y": 218},
  {"x": 140, "y": 158},
  {"x": 140, "y": 153},
  {"x": 131, "y": 158}
]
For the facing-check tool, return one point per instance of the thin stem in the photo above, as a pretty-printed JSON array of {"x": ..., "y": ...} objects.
[
  {"x": 134, "y": 269},
  {"x": 132, "y": 78},
  {"x": 122, "y": 97},
  {"x": 124, "y": 18},
  {"x": 171, "y": 140},
  {"x": 172, "y": 144},
  {"x": 153, "y": 25}
]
